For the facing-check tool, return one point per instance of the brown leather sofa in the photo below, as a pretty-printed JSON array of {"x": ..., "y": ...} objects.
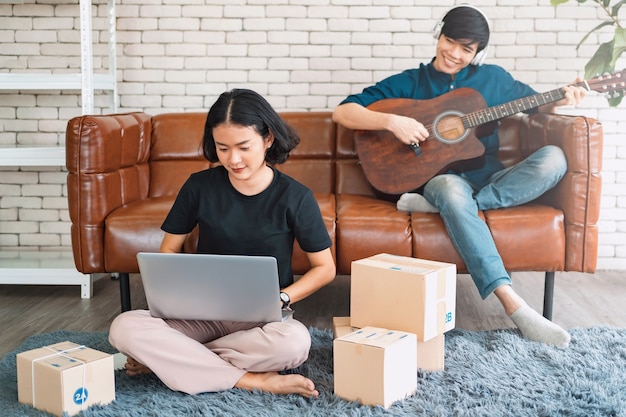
[{"x": 125, "y": 170}]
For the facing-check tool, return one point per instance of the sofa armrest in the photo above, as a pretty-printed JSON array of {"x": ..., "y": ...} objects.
[
  {"x": 107, "y": 163},
  {"x": 579, "y": 192}
]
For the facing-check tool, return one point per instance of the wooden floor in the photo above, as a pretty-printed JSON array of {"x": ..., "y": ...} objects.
[{"x": 581, "y": 300}]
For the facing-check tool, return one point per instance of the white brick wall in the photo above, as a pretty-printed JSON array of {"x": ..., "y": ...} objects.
[{"x": 301, "y": 54}]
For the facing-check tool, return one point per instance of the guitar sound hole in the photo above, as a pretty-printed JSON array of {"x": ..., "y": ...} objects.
[{"x": 448, "y": 127}]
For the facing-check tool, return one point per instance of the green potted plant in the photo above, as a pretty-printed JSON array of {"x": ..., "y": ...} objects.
[{"x": 607, "y": 54}]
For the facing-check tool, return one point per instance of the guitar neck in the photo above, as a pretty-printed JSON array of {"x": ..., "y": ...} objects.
[
  {"x": 501, "y": 111},
  {"x": 605, "y": 84}
]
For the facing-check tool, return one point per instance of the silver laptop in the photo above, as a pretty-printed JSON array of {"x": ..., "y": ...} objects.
[{"x": 211, "y": 287}]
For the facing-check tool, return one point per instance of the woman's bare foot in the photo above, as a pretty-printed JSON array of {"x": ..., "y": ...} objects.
[
  {"x": 134, "y": 368},
  {"x": 278, "y": 384}
]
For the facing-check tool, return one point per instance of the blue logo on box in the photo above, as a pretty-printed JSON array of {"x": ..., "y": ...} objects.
[
  {"x": 448, "y": 317},
  {"x": 80, "y": 396}
]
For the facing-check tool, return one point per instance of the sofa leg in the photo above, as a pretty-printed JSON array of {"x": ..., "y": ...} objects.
[
  {"x": 548, "y": 295},
  {"x": 124, "y": 278}
]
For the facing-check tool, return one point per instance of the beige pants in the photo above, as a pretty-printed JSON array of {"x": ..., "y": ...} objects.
[{"x": 195, "y": 356}]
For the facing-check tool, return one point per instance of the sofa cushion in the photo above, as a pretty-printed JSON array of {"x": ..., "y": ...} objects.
[
  {"x": 132, "y": 228},
  {"x": 531, "y": 234},
  {"x": 136, "y": 227},
  {"x": 367, "y": 226}
]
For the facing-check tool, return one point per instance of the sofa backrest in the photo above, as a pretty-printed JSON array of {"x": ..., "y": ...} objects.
[
  {"x": 325, "y": 160},
  {"x": 175, "y": 137}
]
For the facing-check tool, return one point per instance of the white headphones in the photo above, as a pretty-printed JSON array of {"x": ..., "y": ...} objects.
[{"x": 480, "y": 57}]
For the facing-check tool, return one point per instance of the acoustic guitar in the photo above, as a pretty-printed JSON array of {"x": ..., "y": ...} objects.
[{"x": 455, "y": 121}]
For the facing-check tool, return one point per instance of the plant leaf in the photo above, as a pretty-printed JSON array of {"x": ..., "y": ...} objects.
[
  {"x": 616, "y": 7},
  {"x": 615, "y": 101},
  {"x": 619, "y": 45},
  {"x": 607, "y": 54},
  {"x": 600, "y": 62},
  {"x": 601, "y": 25}
]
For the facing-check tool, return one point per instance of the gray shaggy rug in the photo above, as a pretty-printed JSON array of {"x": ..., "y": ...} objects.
[{"x": 492, "y": 373}]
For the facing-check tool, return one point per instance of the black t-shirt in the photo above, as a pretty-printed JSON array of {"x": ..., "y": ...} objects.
[{"x": 231, "y": 223}]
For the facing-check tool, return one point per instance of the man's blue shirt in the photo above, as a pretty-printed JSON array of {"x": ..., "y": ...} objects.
[{"x": 494, "y": 83}]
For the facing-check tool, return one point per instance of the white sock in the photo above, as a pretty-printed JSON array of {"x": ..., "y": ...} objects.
[
  {"x": 538, "y": 328},
  {"x": 415, "y": 202}
]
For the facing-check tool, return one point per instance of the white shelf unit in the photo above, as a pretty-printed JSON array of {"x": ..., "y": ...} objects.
[
  {"x": 44, "y": 268},
  {"x": 31, "y": 81},
  {"x": 57, "y": 268},
  {"x": 32, "y": 156},
  {"x": 85, "y": 81}
]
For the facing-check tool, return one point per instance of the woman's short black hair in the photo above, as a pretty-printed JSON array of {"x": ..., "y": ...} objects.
[
  {"x": 247, "y": 108},
  {"x": 466, "y": 22}
]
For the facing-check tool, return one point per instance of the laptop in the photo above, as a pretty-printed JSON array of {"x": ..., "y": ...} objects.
[{"x": 211, "y": 287}]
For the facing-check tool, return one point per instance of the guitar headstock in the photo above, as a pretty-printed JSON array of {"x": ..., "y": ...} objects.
[{"x": 613, "y": 85}]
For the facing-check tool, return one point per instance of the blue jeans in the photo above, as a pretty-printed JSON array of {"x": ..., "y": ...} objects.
[{"x": 459, "y": 201}]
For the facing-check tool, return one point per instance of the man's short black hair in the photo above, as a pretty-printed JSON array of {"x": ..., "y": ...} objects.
[{"x": 466, "y": 23}]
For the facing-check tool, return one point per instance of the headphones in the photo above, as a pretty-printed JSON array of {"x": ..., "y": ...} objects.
[{"x": 480, "y": 57}]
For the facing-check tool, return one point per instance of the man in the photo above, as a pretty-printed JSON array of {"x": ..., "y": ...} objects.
[{"x": 462, "y": 38}]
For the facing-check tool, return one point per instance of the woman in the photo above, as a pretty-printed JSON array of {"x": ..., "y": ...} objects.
[{"x": 244, "y": 206}]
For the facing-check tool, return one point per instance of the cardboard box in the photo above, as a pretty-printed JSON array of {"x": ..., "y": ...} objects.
[
  {"x": 430, "y": 354},
  {"x": 375, "y": 366},
  {"x": 341, "y": 327},
  {"x": 65, "y": 377},
  {"x": 403, "y": 293}
]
